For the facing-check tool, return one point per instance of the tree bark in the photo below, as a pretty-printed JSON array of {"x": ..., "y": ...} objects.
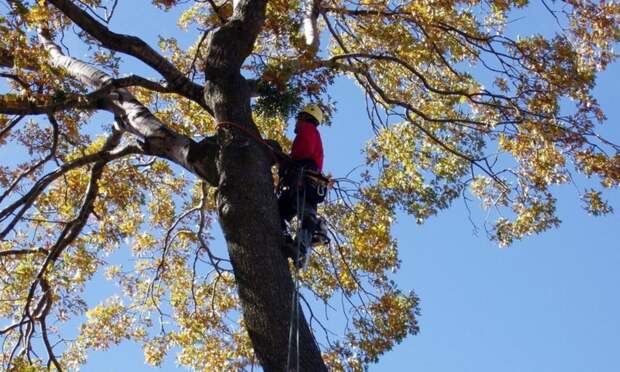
[{"x": 247, "y": 206}]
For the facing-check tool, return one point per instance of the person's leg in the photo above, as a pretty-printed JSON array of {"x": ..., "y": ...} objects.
[
  {"x": 286, "y": 205},
  {"x": 310, "y": 219},
  {"x": 315, "y": 225},
  {"x": 304, "y": 237}
]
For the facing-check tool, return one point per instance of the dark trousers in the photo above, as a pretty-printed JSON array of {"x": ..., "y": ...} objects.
[{"x": 296, "y": 196}]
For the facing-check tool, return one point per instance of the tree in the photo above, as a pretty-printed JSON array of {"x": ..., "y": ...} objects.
[{"x": 440, "y": 134}]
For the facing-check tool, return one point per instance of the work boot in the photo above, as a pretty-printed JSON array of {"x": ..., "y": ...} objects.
[
  {"x": 303, "y": 240},
  {"x": 288, "y": 248},
  {"x": 321, "y": 234},
  {"x": 300, "y": 263}
]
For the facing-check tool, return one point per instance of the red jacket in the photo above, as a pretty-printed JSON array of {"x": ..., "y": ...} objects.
[{"x": 308, "y": 145}]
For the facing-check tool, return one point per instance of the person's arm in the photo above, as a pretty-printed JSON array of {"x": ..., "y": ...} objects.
[{"x": 278, "y": 154}]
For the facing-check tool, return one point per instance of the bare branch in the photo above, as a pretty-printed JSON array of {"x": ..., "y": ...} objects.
[
  {"x": 135, "y": 47},
  {"x": 22, "y": 252}
]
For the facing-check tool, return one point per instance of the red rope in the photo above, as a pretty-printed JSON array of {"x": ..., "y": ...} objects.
[
  {"x": 274, "y": 153},
  {"x": 258, "y": 138}
]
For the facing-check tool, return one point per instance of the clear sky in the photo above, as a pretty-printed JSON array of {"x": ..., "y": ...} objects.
[{"x": 548, "y": 303}]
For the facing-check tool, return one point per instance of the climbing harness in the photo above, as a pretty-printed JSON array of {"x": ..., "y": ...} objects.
[{"x": 319, "y": 182}]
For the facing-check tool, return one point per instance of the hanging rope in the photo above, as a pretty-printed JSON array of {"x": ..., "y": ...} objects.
[{"x": 301, "y": 204}]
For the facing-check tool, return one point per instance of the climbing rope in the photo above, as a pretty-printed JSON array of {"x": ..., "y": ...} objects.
[
  {"x": 324, "y": 181},
  {"x": 295, "y": 298},
  {"x": 275, "y": 154}
]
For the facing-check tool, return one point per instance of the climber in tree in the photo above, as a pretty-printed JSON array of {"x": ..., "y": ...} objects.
[{"x": 300, "y": 188}]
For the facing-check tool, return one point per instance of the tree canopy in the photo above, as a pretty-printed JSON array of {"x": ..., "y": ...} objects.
[{"x": 459, "y": 107}]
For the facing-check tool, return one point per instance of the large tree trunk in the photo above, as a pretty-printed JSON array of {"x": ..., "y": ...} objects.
[
  {"x": 249, "y": 218},
  {"x": 247, "y": 205}
]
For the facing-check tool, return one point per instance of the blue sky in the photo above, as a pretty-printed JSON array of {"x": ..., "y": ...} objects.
[{"x": 548, "y": 303}]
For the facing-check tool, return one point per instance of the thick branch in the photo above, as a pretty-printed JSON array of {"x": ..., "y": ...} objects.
[
  {"x": 37, "y": 105},
  {"x": 159, "y": 140},
  {"x": 139, "y": 81},
  {"x": 232, "y": 43},
  {"x": 135, "y": 47}
]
